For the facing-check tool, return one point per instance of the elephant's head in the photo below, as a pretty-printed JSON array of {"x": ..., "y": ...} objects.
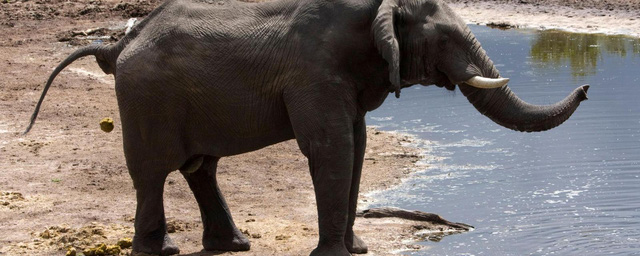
[{"x": 425, "y": 42}]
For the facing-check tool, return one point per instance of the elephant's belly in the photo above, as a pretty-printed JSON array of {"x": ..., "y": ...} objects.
[
  {"x": 225, "y": 131},
  {"x": 232, "y": 145}
]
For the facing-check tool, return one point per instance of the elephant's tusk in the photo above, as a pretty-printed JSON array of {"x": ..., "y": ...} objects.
[{"x": 487, "y": 83}]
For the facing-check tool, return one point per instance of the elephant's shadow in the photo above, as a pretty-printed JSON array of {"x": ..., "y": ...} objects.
[{"x": 204, "y": 253}]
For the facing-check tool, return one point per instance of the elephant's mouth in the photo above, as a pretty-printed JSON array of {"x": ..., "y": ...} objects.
[{"x": 441, "y": 79}]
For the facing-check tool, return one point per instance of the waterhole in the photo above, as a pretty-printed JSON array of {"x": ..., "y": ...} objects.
[{"x": 573, "y": 190}]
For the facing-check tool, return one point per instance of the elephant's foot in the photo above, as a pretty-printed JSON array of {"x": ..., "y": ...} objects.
[
  {"x": 236, "y": 243},
  {"x": 355, "y": 245},
  {"x": 330, "y": 251},
  {"x": 144, "y": 247}
]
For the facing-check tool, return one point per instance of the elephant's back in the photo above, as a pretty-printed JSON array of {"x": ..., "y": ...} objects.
[{"x": 222, "y": 49}]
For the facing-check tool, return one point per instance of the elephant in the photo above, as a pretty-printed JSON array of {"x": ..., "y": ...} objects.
[{"x": 198, "y": 80}]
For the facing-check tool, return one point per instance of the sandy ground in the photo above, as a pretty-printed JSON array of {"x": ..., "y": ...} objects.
[
  {"x": 615, "y": 17},
  {"x": 66, "y": 184}
]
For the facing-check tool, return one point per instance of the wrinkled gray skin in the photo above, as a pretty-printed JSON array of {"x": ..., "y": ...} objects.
[{"x": 198, "y": 80}]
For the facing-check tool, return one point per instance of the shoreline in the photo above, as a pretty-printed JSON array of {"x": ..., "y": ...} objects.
[{"x": 544, "y": 17}]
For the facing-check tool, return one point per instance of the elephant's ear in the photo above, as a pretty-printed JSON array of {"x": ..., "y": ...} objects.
[{"x": 386, "y": 40}]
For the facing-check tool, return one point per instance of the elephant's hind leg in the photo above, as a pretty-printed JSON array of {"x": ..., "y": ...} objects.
[
  {"x": 220, "y": 232},
  {"x": 150, "y": 224}
]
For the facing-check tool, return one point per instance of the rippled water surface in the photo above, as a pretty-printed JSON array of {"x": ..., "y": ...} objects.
[{"x": 573, "y": 190}]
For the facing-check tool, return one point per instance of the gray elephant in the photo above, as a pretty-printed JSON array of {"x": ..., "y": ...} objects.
[{"x": 198, "y": 80}]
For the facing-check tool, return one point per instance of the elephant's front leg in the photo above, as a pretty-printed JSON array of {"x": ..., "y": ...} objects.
[
  {"x": 323, "y": 125},
  {"x": 331, "y": 164},
  {"x": 353, "y": 243}
]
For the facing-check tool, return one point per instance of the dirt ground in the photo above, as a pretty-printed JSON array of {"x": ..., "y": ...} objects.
[
  {"x": 65, "y": 184},
  {"x": 615, "y": 17}
]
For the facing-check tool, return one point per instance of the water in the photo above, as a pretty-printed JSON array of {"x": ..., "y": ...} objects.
[{"x": 573, "y": 190}]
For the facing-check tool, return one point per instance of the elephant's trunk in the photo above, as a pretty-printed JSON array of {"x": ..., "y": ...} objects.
[{"x": 505, "y": 108}]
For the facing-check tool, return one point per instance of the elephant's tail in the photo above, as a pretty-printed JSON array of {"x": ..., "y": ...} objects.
[{"x": 99, "y": 51}]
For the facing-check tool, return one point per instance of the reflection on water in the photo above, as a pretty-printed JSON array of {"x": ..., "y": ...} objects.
[
  {"x": 569, "y": 191},
  {"x": 581, "y": 52}
]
